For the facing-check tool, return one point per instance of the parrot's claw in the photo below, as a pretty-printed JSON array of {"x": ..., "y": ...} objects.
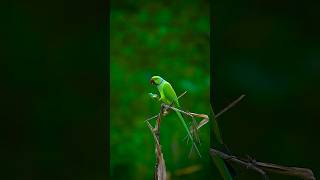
[
  {"x": 154, "y": 96},
  {"x": 164, "y": 110}
]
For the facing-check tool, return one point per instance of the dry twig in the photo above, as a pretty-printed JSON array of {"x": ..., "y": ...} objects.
[
  {"x": 261, "y": 167},
  {"x": 160, "y": 169},
  {"x": 230, "y": 105}
]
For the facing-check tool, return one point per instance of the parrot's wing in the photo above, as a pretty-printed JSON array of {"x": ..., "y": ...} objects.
[{"x": 170, "y": 94}]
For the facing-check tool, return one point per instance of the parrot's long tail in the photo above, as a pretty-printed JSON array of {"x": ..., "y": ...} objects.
[{"x": 189, "y": 134}]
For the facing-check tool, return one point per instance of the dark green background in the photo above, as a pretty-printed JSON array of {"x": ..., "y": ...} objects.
[
  {"x": 53, "y": 91},
  {"x": 269, "y": 51}
]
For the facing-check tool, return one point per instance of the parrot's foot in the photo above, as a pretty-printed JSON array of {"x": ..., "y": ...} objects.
[
  {"x": 154, "y": 96},
  {"x": 166, "y": 110}
]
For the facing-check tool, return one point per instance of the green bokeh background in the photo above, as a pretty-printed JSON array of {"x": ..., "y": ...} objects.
[{"x": 165, "y": 38}]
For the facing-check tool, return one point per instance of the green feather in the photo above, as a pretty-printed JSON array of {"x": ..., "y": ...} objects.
[{"x": 189, "y": 134}]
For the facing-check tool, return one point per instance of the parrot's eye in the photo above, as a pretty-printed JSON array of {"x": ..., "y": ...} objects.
[{"x": 152, "y": 82}]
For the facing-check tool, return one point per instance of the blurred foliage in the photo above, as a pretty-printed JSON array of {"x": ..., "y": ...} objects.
[{"x": 165, "y": 38}]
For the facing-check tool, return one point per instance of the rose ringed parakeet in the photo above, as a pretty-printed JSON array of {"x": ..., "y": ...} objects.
[{"x": 168, "y": 96}]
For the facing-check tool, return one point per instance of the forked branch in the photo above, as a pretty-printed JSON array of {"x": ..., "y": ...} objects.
[
  {"x": 262, "y": 167},
  {"x": 160, "y": 168}
]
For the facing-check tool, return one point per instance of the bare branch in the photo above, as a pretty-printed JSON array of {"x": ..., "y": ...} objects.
[
  {"x": 230, "y": 106},
  {"x": 261, "y": 167},
  {"x": 304, "y": 173},
  {"x": 151, "y": 118},
  {"x": 160, "y": 169},
  {"x": 182, "y": 94}
]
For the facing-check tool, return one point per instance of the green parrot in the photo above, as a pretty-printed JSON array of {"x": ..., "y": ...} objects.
[{"x": 168, "y": 96}]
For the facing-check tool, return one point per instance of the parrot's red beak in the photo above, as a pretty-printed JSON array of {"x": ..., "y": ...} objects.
[{"x": 152, "y": 81}]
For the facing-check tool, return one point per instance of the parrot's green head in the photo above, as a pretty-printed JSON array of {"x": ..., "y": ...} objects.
[{"x": 156, "y": 80}]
